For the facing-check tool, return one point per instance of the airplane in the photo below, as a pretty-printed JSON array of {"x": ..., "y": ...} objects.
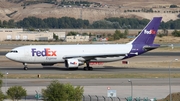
[{"x": 75, "y": 55}]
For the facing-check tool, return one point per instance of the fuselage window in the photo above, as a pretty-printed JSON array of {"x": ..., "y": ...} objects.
[{"x": 14, "y": 51}]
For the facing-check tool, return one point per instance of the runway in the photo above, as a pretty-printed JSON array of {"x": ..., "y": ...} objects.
[{"x": 103, "y": 70}]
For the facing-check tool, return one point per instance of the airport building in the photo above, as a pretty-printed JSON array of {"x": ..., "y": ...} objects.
[
  {"x": 19, "y": 34},
  {"x": 77, "y": 38}
]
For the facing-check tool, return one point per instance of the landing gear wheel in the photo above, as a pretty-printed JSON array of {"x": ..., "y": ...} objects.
[
  {"x": 25, "y": 68},
  {"x": 85, "y": 68},
  {"x": 90, "y": 68}
]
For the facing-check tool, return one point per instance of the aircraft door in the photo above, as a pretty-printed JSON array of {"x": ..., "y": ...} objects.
[{"x": 28, "y": 56}]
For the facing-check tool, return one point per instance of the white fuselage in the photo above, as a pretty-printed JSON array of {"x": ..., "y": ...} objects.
[{"x": 56, "y": 53}]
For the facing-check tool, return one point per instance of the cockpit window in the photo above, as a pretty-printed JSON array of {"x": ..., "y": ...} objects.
[{"x": 13, "y": 51}]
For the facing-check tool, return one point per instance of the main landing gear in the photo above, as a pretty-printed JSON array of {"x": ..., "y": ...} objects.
[
  {"x": 25, "y": 66},
  {"x": 87, "y": 66}
]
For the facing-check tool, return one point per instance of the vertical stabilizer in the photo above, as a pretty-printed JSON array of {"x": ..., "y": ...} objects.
[{"x": 148, "y": 34}]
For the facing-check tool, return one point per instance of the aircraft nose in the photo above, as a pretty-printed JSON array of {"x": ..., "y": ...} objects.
[{"x": 7, "y": 55}]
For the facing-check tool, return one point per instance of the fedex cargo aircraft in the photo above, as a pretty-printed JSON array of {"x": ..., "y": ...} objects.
[{"x": 75, "y": 55}]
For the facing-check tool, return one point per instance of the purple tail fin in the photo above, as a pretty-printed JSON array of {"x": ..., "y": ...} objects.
[{"x": 148, "y": 34}]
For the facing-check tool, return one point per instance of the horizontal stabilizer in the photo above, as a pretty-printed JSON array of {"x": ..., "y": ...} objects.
[{"x": 147, "y": 48}]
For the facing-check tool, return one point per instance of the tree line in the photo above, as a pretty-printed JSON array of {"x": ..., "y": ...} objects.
[
  {"x": 55, "y": 91},
  {"x": 72, "y": 23}
]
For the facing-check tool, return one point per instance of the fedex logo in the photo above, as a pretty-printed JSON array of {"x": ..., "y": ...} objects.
[
  {"x": 149, "y": 32},
  {"x": 74, "y": 63},
  {"x": 45, "y": 52}
]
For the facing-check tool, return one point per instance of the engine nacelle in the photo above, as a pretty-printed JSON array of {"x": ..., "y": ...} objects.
[
  {"x": 47, "y": 64},
  {"x": 73, "y": 63}
]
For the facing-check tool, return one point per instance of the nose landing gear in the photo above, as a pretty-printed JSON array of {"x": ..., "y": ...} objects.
[{"x": 25, "y": 66}]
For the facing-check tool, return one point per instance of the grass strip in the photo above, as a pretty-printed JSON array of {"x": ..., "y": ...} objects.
[{"x": 99, "y": 75}]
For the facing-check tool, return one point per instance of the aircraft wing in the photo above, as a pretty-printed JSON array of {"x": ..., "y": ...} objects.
[{"x": 92, "y": 56}]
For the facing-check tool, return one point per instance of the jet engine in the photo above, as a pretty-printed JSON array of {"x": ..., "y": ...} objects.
[{"x": 73, "y": 63}]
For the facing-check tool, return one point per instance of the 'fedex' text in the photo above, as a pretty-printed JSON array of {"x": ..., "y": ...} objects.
[
  {"x": 45, "y": 52},
  {"x": 149, "y": 32},
  {"x": 73, "y": 63}
]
